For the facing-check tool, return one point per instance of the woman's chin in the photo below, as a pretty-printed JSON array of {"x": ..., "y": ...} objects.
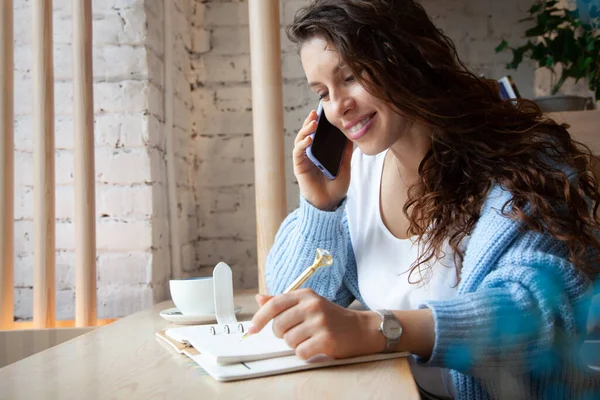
[{"x": 370, "y": 150}]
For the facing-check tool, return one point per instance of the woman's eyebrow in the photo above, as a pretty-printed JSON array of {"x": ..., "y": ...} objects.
[{"x": 336, "y": 69}]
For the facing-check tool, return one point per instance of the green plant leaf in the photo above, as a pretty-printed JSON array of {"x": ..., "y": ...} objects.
[
  {"x": 503, "y": 45},
  {"x": 572, "y": 15},
  {"x": 537, "y": 30},
  {"x": 588, "y": 42},
  {"x": 518, "y": 56},
  {"x": 578, "y": 69},
  {"x": 563, "y": 46},
  {"x": 526, "y": 19},
  {"x": 535, "y": 8},
  {"x": 587, "y": 61},
  {"x": 539, "y": 52},
  {"x": 541, "y": 26},
  {"x": 594, "y": 47},
  {"x": 563, "y": 77}
]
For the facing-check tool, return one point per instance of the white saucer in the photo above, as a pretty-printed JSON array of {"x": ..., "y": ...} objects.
[{"x": 174, "y": 315}]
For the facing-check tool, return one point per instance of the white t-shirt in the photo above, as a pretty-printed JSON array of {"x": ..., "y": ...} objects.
[{"x": 383, "y": 261}]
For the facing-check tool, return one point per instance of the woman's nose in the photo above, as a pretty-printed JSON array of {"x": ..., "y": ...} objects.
[{"x": 341, "y": 105}]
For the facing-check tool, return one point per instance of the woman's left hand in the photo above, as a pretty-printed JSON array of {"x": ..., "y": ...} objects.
[{"x": 313, "y": 325}]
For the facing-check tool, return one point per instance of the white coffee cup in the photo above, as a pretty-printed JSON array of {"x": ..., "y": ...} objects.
[{"x": 194, "y": 296}]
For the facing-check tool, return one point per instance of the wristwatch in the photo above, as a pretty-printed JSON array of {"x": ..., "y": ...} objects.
[{"x": 390, "y": 328}]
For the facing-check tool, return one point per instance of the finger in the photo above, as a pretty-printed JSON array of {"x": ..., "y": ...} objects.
[
  {"x": 312, "y": 115},
  {"x": 261, "y": 299},
  {"x": 299, "y": 152},
  {"x": 313, "y": 346},
  {"x": 270, "y": 310},
  {"x": 297, "y": 334},
  {"x": 287, "y": 320},
  {"x": 305, "y": 131}
]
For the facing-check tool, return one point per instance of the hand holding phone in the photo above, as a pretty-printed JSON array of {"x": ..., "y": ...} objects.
[{"x": 315, "y": 185}]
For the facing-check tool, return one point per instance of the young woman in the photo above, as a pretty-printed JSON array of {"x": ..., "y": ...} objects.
[{"x": 466, "y": 217}]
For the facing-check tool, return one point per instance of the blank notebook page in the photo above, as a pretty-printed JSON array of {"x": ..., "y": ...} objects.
[{"x": 227, "y": 347}]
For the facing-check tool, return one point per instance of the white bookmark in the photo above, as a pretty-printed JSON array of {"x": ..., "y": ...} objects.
[{"x": 223, "y": 288}]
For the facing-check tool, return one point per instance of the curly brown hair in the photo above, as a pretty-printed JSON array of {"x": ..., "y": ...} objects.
[{"x": 477, "y": 140}]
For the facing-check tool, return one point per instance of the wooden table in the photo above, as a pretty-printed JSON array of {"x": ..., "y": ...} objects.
[{"x": 124, "y": 360}]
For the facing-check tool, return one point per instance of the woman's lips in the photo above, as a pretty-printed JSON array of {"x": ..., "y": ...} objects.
[{"x": 362, "y": 131}]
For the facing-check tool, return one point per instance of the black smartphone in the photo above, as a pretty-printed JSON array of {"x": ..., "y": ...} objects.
[{"x": 327, "y": 148}]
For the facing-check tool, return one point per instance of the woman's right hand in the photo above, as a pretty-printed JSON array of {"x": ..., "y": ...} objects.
[{"x": 320, "y": 191}]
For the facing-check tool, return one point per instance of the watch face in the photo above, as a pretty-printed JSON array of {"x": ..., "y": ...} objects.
[{"x": 391, "y": 328}]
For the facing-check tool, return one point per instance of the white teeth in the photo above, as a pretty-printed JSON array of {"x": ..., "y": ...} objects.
[{"x": 359, "y": 125}]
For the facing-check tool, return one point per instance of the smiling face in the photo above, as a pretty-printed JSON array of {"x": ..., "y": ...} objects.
[{"x": 369, "y": 122}]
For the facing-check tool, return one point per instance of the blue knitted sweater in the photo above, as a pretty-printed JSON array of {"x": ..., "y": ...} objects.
[{"x": 515, "y": 326}]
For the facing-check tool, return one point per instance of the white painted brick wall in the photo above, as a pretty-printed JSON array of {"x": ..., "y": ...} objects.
[{"x": 131, "y": 221}]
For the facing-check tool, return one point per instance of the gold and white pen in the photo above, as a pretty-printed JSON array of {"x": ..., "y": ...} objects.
[{"x": 322, "y": 259}]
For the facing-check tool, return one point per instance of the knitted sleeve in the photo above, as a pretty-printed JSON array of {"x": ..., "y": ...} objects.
[
  {"x": 296, "y": 242},
  {"x": 524, "y": 316}
]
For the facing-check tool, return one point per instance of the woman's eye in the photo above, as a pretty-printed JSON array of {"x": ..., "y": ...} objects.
[
  {"x": 351, "y": 78},
  {"x": 323, "y": 95}
]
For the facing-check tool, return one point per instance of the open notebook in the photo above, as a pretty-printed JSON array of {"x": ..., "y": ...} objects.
[
  {"x": 218, "y": 349},
  {"x": 226, "y": 358}
]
